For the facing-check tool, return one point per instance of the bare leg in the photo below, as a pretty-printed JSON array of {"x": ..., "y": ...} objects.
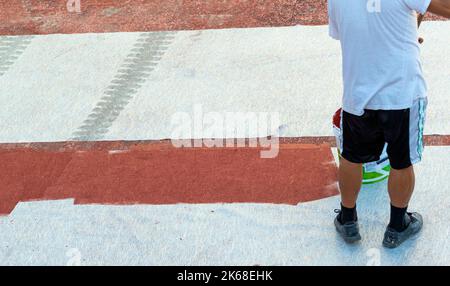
[
  {"x": 350, "y": 180},
  {"x": 401, "y": 186}
]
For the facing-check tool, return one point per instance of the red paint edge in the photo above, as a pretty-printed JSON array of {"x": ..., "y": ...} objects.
[{"x": 429, "y": 140}]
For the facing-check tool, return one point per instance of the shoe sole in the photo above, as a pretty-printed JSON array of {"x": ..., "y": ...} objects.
[{"x": 353, "y": 239}]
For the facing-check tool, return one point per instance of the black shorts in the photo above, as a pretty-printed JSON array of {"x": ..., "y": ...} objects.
[{"x": 364, "y": 137}]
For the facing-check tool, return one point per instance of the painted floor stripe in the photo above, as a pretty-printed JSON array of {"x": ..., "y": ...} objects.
[
  {"x": 161, "y": 174},
  {"x": 154, "y": 172}
]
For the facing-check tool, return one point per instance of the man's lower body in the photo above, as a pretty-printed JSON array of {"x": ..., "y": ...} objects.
[{"x": 363, "y": 140}]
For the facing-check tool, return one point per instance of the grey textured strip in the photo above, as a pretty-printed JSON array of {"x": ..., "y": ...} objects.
[
  {"x": 138, "y": 65},
  {"x": 10, "y": 50}
]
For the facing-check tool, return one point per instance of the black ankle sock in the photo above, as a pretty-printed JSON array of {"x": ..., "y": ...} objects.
[
  {"x": 398, "y": 218},
  {"x": 348, "y": 215}
]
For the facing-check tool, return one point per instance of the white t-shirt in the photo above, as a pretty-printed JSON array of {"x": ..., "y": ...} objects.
[{"x": 380, "y": 52}]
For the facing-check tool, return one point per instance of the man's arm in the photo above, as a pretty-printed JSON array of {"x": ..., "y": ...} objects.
[{"x": 440, "y": 7}]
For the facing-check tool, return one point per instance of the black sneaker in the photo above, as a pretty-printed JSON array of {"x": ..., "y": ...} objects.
[
  {"x": 393, "y": 238},
  {"x": 349, "y": 231}
]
